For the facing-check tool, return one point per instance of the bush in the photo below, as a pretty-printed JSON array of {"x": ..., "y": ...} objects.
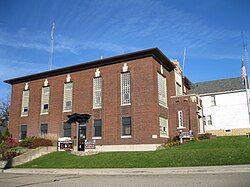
[
  {"x": 6, "y": 134},
  {"x": 37, "y": 142},
  {"x": 50, "y": 136},
  {"x": 27, "y": 142},
  {"x": 205, "y": 136},
  {"x": 1, "y": 137}
]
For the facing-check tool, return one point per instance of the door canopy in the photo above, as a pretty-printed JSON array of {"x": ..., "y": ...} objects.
[{"x": 78, "y": 118}]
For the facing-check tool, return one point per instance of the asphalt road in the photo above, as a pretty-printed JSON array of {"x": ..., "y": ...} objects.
[{"x": 238, "y": 179}]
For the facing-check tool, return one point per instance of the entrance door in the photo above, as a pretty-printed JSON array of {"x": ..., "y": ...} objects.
[{"x": 81, "y": 136}]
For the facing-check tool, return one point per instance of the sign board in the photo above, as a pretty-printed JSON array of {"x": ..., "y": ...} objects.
[
  {"x": 188, "y": 135},
  {"x": 90, "y": 144}
]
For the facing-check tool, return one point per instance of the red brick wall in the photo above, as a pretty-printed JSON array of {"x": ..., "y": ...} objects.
[{"x": 144, "y": 109}]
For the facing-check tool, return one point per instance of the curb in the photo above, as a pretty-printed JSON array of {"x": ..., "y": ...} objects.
[{"x": 137, "y": 171}]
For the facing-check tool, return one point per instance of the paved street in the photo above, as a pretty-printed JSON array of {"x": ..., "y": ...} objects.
[
  {"x": 219, "y": 176},
  {"x": 203, "y": 179}
]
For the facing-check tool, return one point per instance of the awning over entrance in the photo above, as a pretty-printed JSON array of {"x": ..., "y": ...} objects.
[{"x": 78, "y": 117}]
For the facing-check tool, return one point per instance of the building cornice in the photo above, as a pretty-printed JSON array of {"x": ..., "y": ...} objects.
[{"x": 153, "y": 52}]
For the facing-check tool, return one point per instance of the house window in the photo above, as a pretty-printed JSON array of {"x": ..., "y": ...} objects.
[
  {"x": 163, "y": 122},
  {"x": 25, "y": 103},
  {"x": 97, "y": 131},
  {"x": 97, "y": 92},
  {"x": 178, "y": 89},
  {"x": 213, "y": 101},
  {"x": 162, "y": 90},
  {"x": 23, "y": 131},
  {"x": 45, "y": 100},
  {"x": 44, "y": 128},
  {"x": 209, "y": 120},
  {"x": 180, "y": 118},
  {"x": 125, "y": 89},
  {"x": 126, "y": 126},
  {"x": 67, "y": 130},
  {"x": 67, "y": 101}
]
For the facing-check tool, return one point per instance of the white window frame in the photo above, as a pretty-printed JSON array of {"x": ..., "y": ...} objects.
[
  {"x": 97, "y": 92},
  {"x": 162, "y": 90},
  {"x": 209, "y": 120},
  {"x": 95, "y": 126},
  {"x": 178, "y": 89},
  {"x": 125, "y": 88},
  {"x": 68, "y": 97},
  {"x": 180, "y": 119},
  {"x": 164, "y": 131},
  {"x": 25, "y": 103},
  {"x": 123, "y": 133},
  {"x": 213, "y": 100},
  {"x": 45, "y": 99}
]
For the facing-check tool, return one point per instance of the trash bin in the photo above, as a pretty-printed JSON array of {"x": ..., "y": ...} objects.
[{"x": 64, "y": 144}]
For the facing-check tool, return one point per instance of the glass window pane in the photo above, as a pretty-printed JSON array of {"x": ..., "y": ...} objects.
[
  {"x": 126, "y": 126},
  {"x": 97, "y": 128}
]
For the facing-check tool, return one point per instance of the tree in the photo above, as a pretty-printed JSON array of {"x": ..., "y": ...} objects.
[{"x": 4, "y": 113}]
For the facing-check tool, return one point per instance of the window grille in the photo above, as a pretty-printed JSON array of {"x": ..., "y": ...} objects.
[
  {"x": 45, "y": 100},
  {"x": 125, "y": 88},
  {"x": 162, "y": 90},
  {"x": 97, "y": 92},
  {"x": 163, "y": 127},
  {"x": 25, "y": 103},
  {"x": 68, "y": 89}
]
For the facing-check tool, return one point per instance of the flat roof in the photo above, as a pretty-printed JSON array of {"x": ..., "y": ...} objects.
[{"x": 153, "y": 52}]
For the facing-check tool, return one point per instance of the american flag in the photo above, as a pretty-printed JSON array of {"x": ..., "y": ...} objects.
[{"x": 243, "y": 73}]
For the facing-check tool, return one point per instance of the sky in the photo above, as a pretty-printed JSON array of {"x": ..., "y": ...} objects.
[{"x": 86, "y": 30}]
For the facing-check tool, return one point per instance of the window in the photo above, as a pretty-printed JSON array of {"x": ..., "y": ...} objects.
[
  {"x": 25, "y": 103},
  {"x": 97, "y": 131},
  {"x": 23, "y": 131},
  {"x": 67, "y": 102},
  {"x": 162, "y": 90},
  {"x": 97, "y": 92},
  {"x": 180, "y": 118},
  {"x": 125, "y": 88},
  {"x": 126, "y": 126},
  {"x": 67, "y": 130},
  {"x": 163, "y": 127},
  {"x": 213, "y": 101},
  {"x": 209, "y": 120},
  {"x": 45, "y": 100},
  {"x": 44, "y": 128},
  {"x": 178, "y": 89}
]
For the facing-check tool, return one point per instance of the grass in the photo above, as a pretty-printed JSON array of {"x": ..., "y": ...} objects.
[{"x": 216, "y": 151}]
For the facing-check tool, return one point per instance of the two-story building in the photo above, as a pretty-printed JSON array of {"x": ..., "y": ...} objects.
[
  {"x": 134, "y": 101},
  {"x": 224, "y": 106}
]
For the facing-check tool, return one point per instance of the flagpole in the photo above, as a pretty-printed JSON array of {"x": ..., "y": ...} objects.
[
  {"x": 51, "y": 46},
  {"x": 245, "y": 81}
]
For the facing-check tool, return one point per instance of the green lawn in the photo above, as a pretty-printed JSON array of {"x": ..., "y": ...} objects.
[{"x": 216, "y": 151}]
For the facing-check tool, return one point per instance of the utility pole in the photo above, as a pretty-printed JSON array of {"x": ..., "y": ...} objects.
[{"x": 51, "y": 46}]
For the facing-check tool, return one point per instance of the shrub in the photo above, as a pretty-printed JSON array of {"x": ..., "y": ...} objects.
[
  {"x": 37, "y": 142},
  {"x": 8, "y": 148},
  {"x": 27, "y": 142},
  {"x": 50, "y": 136},
  {"x": 1, "y": 137},
  {"x": 205, "y": 136},
  {"x": 6, "y": 134}
]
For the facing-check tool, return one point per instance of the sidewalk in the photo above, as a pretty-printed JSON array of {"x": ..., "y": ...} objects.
[{"x": 137, "y": 171}]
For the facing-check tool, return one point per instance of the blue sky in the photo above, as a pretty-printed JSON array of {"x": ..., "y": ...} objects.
[{"x": 86, "y": 30}]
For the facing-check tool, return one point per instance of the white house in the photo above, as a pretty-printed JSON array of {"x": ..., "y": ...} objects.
[{"x": 224, "y": 106}]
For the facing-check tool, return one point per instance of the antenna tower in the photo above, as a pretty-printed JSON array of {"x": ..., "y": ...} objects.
[{"x": 51, "y": 46}]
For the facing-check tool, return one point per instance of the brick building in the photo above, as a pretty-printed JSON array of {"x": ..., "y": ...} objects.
[{"x": 134, "y": 101}]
